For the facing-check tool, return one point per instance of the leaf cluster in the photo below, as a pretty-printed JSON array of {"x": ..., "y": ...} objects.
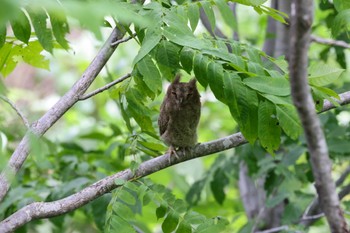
[{"x": 129, "y": 199}]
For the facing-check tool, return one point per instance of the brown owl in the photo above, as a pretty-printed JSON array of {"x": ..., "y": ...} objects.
[{"x": 179, "y": 115}]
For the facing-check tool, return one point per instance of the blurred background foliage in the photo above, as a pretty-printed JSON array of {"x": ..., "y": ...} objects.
[{"x": 92, "y": 140}]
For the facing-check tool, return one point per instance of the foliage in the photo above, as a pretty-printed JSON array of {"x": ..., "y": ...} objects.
[
  {"x": 246, "y": 83},
  {"x": 129, "y": 199}
]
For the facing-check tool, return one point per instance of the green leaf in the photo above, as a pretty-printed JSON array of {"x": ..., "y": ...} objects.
[
  {"x": 21, "y": 27},
  {"x": 208, "y": 9},
  {"x": 236, "y": 61},
  {"x": 126, "y": 196},
  {"x": 60, "y": 28},
  {"x": 213, "y": 225},
  {"x": 31, "y": 54},
  {"x": 255, "y": 68},
  {"x": 320, "y": 94},
  {"x": 170, "y": 222},
  {"x": 251, "y": 2},
  {"x": 277, "y": 199},
  {"x": 150, "y": 74},
  {"x": 215, "y": 78},
  {"x": 178, "y": 32},
  {"x": 284, "y": 100},
  {"x": 253, "y": 55},
  {"x": 118, "y": 224},
  {"x": 167, "y": 54},
  {"x": 193, "y": 15},
  {"x": 341, "y": 22},
  {"x": 339, "y": 146},
  {"x": 43, "y": 33},
  {"x": 139, "y": 111},
  {"x": 243, "y": 104},
  {"x": 150, "y": 41},
  {"x": 184, "y": 227},
  {"x": 289, "y": 120},
  {"x": 227, "y": 14},
  {"x": 186, "y": 58},
  {"x": 268, "y": 130},
  {"x": 119, "y": 181},
  {"x": 273, "y": 86},
  {"x": 217, "y": 185},
  {"x": 341, "y": 5},
  {"x": 200, "y": 67},
  {"x": 161, "y": 211},
  {"x": 2, "y": 35},
  {"x": 273, "y": 13},
  {"x": 321, "y": 74},
  {"x": 8, "y": 58},
  {"x": 328, "y": 92}
]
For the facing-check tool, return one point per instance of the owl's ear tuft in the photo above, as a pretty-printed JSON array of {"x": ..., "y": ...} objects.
[
  {"x": 177, "y": 79},
  {"x": 192, "y": 82}
]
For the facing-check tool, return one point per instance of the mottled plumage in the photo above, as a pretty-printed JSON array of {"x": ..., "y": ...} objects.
[{"x": 179, "y": 115}]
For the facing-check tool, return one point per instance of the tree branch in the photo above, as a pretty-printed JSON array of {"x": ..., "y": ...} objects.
[
  {"x": 56, "y": 112},
  {"x": 302, "y": 17},
  {"x": 19, "y": 112},
  {"x": 343, "y": 176},
  {"x": 331, "y": 42},
  {"x": 39, "y": 210},
  {"x": 106, "y": 87},
  {"x": 275, "y": 229},
  {"x": 116, "y": 43}
]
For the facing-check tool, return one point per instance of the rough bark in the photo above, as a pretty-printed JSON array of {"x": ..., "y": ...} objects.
[{"x": 302, "y": 16}]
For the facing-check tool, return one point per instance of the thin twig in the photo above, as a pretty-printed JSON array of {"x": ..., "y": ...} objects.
[
  {"x": 276, "y": 229},
  {"x": 19, "y": 113},
  {"x": 343, "y": 176},
  {"x": 115, "y": 43},
  {"x": 312, "y": 217},
  {"x": 102, "y": 89},
  {"x": 331, "y": 42}
]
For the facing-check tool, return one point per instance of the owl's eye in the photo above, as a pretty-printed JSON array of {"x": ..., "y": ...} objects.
[
  {"x": 189, "y": 94},
  {"x": 174, "y": 93}
]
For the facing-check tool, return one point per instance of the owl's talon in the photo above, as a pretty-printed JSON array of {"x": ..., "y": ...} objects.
[{"x": 172, "y": 151}]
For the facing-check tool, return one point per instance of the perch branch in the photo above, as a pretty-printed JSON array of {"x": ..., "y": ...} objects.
[
  {"x": 19, "y": 113},
  {"x": 331, "y": 42},
  {"x": 56, "y": 112},
  {"x": 302, "y": 17},
  {"x": 106, "y": 87}
]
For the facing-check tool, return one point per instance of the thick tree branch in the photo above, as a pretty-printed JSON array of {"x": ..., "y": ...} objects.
[
  {"x": 38, "y": 210},
  {"x": 56, "y": 112},
  {"x": 331, "y": 42},
  {"x": 302, "y": 17},
  {"x": 106, "y": 87},
  {"x": 19, "y": 112}
]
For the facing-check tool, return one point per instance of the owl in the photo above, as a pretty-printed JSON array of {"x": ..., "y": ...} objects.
[{"x": 179, "y": 115}]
